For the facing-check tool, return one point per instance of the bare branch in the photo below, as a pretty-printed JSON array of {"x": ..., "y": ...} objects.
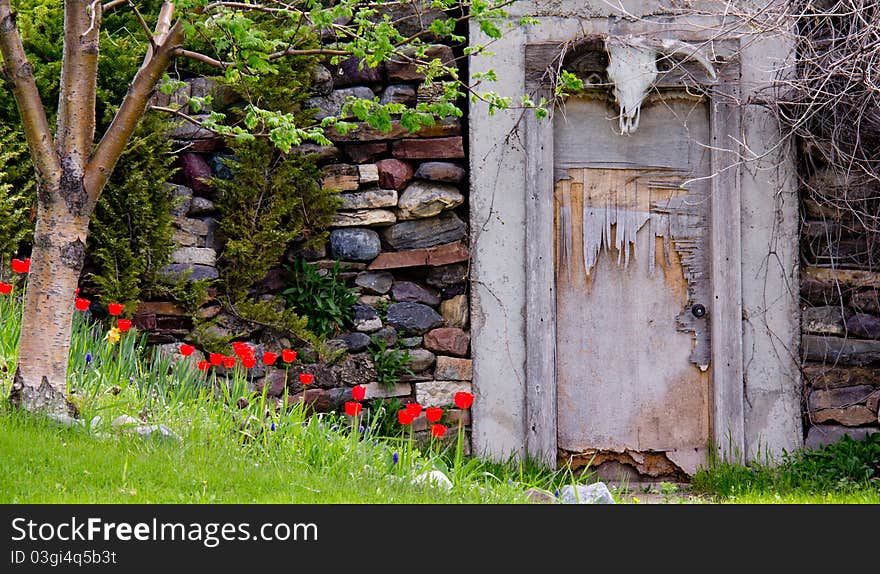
[
  {"x": 111, "y": 5},
  {"x": 143, "y": 23},
  {"x": 27, "y": 97},
  {"x": 201, "y": 58}
]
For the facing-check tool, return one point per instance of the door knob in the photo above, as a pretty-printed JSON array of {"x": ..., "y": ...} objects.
[{"x": 698, "y": 311}]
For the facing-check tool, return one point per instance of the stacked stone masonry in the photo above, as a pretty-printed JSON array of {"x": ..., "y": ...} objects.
[
  {"x": 400, "y": 232},
  {"x": 840, "y": 295}
]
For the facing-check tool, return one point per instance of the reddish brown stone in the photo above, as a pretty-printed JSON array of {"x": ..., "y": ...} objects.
[
  {"x": 160, "y": 308},
  {"x": 316, "y": 400},
  {"x": 343, "y": 177},
  {"x": 394, "y": 174},
  {"x": 449, "y": 340},
  {"x": 363, "y": 133},
  {"x": 144, "y": 322},
  {"x": 196, "y": 172},
  {"x": 400, "y": 70},
  {"x": 436, "y": 148},
  {"x": 432, "y": 256},
  {"x": 365, "y": 152}
]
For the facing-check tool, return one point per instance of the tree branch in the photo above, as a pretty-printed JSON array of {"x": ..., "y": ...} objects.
[
  {"x": 133, "y": 106},
  {"x": 201, "y": 58},
  {"x": 75, "y": 128},
  {"x": 27, "y": 98},
  {"x": 111, "y": 5}
]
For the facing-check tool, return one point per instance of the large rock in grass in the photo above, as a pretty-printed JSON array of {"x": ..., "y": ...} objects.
[{"x": 413, "y": 318}]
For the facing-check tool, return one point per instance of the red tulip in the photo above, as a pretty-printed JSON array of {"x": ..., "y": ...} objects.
[
  {"x": 242, "y": 349},
  {"x": 114, "y": 308},
  {"x": 5, "y": 288},
  {"x": 352, "y": 408},
  {"x": 404, "y": 417},
  {"x": 229, "y": 362},
  {"x": 415, "y": 409},
  {"x": 204, "y": 365},
  {"x": 464, "y": 400},
  {"x": 248, "y": 361},
  {"x": 358, "y": 392},
  {"x": 186, "y": 350},
  {"x": 437, "y": 431},
  {"x": 123, "y": 324},
  {"x": 306, "y": 378},
  {"x": 269, "y": 358},
  {"x": 216, "y": 359},
  {"x": 433, "y": 414},
  {"x": 20, "y": 266},
  {"x": 82, "y": 304},
  {"x": 288, "y": 356}
]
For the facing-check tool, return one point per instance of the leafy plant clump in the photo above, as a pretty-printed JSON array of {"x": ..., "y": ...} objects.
[
  {"x": 323, "y": 298},
  {"x": 390, "y": 363}
]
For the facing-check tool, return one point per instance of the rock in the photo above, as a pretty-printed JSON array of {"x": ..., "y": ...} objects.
[
  {"x": 375, "y": 301},
  {"x": 449, "y": 340},
  {"x": 840, "y": 351},
  {"x": 538, "y": 496},
  {"x": 354, "y": 71},
  {"x": 320, "y": 153},
  {"x": 853, "y": 416},
  {"x": 366, "y": 319},
  {"x": 827, "y": 320},
  {"x": 444, "y": 228},
  {"x": 177, "y": 271},
  {"x": 194, "y": 136},
  {"x": 821, "y": 435},
  {"x": 369, "y": 199},
  {"x": 356, "y": 342},
  {"x": 378, "y": 282},
  {"x": 368, "y": 173},
  {"x": 316, "y": 400},
  {"x": 455, "y": 311},
  {"x": 423, "y": 199},
  {"x": 171, "y": 351},
  {"x": 447, "y": 276},
  {"x": 825, "y": 377},
  {"x": 160, "y": 308},
  {"x": 341, "y": 177},
  {"x": 420, "y": 360},
  {"x": 596, "y": 493},
  {"x": 433, "y": 478},
  {"x": 404, "y": 71},
  {"x": 124, "y": 421},
  {"x": 398, "y": 94},
  {"x": 363, "y": 217},
  {"x": 331, "y": 104},
  {"x": 201, "y": 206},
  {"x": 275, "y": 379},
  {"x": 322, "y": 81},
  {"x": 181, "y": 196},
  {"x": 840, "y": 397},
  {"x": 406, "y": 291},
  {"x": 866, "y": 301},
  {"x": 155, "y": 432},
  {"x": 354, "y": 244},
  {"x": 394, "y": 173},
  {"x": 191, "y": 225},
  {"x": 441, "y": 171},
  {"x": 413, "y": 318},
  {"x": 184, "y": 239},
  {"x": 431, "y": 256},
  {"x": 411, "y": 342},
  {"x": 453, "y": 369},
  {"x": 196, "y": 256},
  {"x": 440, "y": 393},
  {"x": 410, "y": 18},
  {"x": 377, "y": 391},
  {"x": 307, "y": 251},
  {"x": 434, "y": 148},
  {"x": 430, "y": 94},
  {"x": 218, "y": 163},
  {"x": 821, "y": 293},
  {"x": 214, "y": 239},
  {"x": 850, "y": 277},
  {"x": 196, "y": 173},
  {"x": 362, "y": 132},
  {"x": 355, "y": 369},
  {"x": 275, "y": 280},
  {"x": 387, "y": 334},
  {"x": 863, "y": 326},
  {"x": 365, "y": 152}
]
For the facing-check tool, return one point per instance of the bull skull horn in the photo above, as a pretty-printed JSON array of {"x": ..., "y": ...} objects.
[{"x": 632, "y": 69}]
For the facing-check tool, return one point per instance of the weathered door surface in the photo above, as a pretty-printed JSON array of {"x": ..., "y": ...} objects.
[{"x": 633, "y": 292}]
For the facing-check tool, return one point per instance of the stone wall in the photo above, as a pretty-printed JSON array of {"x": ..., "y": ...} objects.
[
  {"x": 401, "y": 234},
  {"x": 840, "y": 295}
]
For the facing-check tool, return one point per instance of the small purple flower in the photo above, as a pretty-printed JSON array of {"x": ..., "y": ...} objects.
[
  {"x": 334, "y": 428},
  {"x": 556, "y": 493},
  {"x": 361, "y": 429},
  {"x": 273, "y": 426},
  {"x": 394, "y": 458},
  {"x": 88, "y": 358}
]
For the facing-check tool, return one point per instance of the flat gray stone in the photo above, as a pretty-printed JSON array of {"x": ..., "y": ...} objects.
[
  {"x": 413, "y": 318},
  {"x": 441, "y": 171},
  {"x": 366, "y": 319},
  {"x": 827, "y": 320},
  {"x": 407, "y": 291},
  {"x": 376, "y": 282},
  {"x": 181, "y": 196},
  {"x": 194, "y": 256},
  {"x": 331, "y": 104},
  {"x": 445, "y": 228},
  {"x": 447, "y": 275},
  {"x": 202, "y": 206},
  {"x": 369, "y": 199},
  {"x": 596, "y": 493},
  {"x": 176, "y": 271},
  {"x": 821, "y": 435},
  {"x": 354, "y": 244},
  {"x": 398, "y": 94},
  {"x": 356, "y": 342},
  {"x": 420, "y": 360}
]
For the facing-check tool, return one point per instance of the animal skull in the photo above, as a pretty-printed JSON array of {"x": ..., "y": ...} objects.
[{"x": 632, "y": 69}]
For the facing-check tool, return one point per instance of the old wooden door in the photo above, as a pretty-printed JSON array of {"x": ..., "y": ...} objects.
[{"x": 633, "y": 287}]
